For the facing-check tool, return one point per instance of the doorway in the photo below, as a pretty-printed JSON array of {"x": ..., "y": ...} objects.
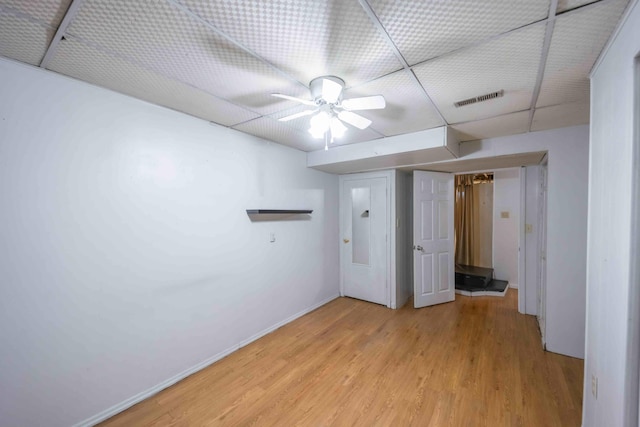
[
  {"x": 488, "y": 228},
  {"x": 502, "y": 239},
  {"x": 473, "y": 212}
]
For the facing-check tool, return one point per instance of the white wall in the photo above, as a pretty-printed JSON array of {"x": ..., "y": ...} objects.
[
  {"x": 126, "y": 254},
  {"x": 568, "y": 150},
  {"x": 506, "y": 199},
  {"x": 611, "y": 289}
]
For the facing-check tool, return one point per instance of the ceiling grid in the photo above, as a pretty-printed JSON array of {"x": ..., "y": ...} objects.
[
  {"x": 374, "y": 18},
  {"x": 62, "y": 28},
  {"x": 221, "y": 61},
  {"x": 543, "y": 61}
]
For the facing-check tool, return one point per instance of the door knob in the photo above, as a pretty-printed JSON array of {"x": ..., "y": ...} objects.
[
  {"x": 418, "y": 248},
  {"x": 345, "y": 240}
]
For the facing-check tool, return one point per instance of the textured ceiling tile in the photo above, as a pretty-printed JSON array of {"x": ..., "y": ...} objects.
[
  {"x": 564, "y": 5},
  {"x": 49, "y": 12},
  {"x": 578, "y": 38},
  {"x": 509, "y": 62},
  {"x": 559, "y": 116},
  {"x": 509, "y": 124},
  {"x": 23, "y": 40},
  {"x": 85, "y": 63},
  {"x": 169, "y": 41},
  {"x": 305, "y": 38},
  {"x": 273, "y": 130},
  {"x": 426, "y": 29},
  {"x": 408, "y": 108}
]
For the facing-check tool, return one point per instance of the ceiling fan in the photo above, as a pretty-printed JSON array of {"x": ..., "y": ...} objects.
[{"x": 331, "y": 110}]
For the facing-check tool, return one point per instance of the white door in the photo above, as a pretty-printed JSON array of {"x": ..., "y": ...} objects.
[
  {"x": 363, "y": 224},
  {"x": 434, "y": 281}
]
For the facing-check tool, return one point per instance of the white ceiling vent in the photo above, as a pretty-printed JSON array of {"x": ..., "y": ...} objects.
[{"x": 480, "y": 98}]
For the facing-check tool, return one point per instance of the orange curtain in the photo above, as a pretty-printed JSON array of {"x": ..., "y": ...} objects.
[{"x": 464, "y": 235}]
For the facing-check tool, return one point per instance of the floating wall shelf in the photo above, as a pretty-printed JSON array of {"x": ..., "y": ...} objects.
[{"x": 278, "y": 211}]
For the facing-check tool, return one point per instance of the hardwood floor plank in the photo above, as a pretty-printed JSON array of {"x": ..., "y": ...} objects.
[{"x": 474, "y": 362}]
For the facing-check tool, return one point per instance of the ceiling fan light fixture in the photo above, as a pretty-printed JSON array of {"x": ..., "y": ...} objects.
[
  {"x": 331, "y": 110},
  {"x": 320, "y": 123},
  {"x": 315, "y": 134}
]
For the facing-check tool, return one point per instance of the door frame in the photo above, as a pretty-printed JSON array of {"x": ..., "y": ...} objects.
[
  {"x": 390, "y": 177},
  {"x": 522, "y": 264},
  {"x": 632, "y": 382}
]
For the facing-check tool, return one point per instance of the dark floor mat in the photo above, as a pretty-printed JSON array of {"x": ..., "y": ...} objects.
[{"x": 493, "y": 286}]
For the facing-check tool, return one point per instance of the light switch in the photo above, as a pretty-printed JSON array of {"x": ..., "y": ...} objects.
[{"x": 528, "y": 228}]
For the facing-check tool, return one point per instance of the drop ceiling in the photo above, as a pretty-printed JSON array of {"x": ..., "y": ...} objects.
[{"x": 220, "y": 60}]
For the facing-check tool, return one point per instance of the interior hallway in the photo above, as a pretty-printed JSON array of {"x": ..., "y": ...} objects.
[{"x": 474, "y": 362}]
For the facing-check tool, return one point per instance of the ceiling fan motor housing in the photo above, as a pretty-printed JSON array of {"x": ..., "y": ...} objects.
[{"x": 315, "y": 87}]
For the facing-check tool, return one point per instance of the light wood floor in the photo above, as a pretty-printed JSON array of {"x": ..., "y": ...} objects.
[{"x": 475, "y": 362}]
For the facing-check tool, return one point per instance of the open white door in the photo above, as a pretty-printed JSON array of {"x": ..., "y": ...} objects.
[{"x": 433, "y": 265}]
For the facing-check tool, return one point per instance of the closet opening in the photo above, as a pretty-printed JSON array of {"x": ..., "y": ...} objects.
[{"x": 474, "y": 235}]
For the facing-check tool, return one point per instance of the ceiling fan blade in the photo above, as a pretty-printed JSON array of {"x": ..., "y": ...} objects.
[
  {"x": 331, "y": 91},
  {"x": 293, "y": 98},
  {"x": 337, "y": 128},
  {"x": 375, "y": 102},
  {"x": 354, "y": 119},
  {"x": 296, "y": 115}
]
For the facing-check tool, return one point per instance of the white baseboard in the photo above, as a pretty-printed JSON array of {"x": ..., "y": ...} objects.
[
  {"x": 482, "y": 293},
  {"x": 116, "y": 409}
]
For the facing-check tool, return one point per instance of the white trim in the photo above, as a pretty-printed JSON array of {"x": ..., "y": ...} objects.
[
  {"x": 613, "y": 37},
  {"x": 116, "y": 409},
  {"x": 522, "y": 296},
  {"x": 392, "y": 231},
  {"x": 632, "y": 383}
]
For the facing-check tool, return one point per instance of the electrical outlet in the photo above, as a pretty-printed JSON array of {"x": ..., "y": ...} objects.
[{"x": 594, "y": 386}]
